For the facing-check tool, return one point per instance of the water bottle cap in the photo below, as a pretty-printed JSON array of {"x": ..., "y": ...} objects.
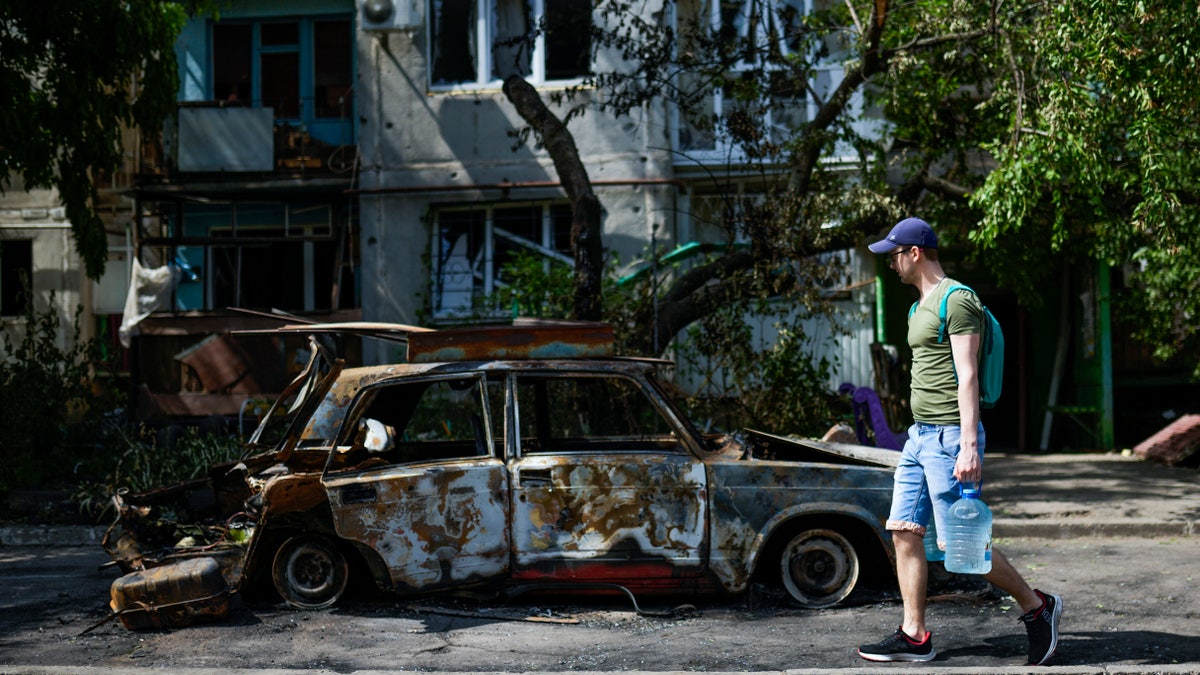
[{"x": 970, "y": 492}]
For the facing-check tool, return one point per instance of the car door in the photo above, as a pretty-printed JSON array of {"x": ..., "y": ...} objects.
[
  {"x": 603, "y": 490},
  {"x": 419, "y": 483}
]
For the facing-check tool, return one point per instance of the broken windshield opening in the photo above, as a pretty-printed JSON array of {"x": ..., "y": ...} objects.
[{"x": 308, "y": 386}]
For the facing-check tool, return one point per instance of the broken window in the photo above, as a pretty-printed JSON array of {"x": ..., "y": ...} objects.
[
  {"x": 259, "y": 255},
  {"x": 762, "y": 101},
  {"x": 540, "y": 41},
  {"x": 472, "y": 246},
  {"x": 560, "y": 413},
  {"x": 332, "y": 69},
  {"x": 423, "y": 421},
  {"x": 16, "y": 273}
]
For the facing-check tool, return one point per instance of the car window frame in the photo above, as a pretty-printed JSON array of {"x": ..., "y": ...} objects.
[
  {"x": 680, "y": 433},
  {"x": 357, "y": 410}
]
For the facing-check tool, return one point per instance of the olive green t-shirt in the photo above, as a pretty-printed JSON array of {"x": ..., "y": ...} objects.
[{"x": 934, "y": 396}]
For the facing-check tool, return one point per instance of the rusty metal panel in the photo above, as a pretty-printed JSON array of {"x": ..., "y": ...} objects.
[
  {"x": 557, "y": 341},
  {"x": 220, "y": 365},
  {"x": 612, "y": 512},
  {"x": 750, "y": 498},
  {"x": 177, "y": 594},
  {"x": 434, "y": 525},
  {"x": 293, "y": 493}
]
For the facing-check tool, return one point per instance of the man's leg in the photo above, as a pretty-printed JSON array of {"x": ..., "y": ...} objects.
[
  {"x": 909, "y": 512},
  {"x": 1040, "y": 611},
  {"x": 912, "y": 571},
  {"x": 1005, "y": 577},
  {"x": 910, "y": 642}
]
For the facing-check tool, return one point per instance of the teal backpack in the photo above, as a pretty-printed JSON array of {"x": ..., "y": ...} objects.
[{"x": 991, "y": 349}]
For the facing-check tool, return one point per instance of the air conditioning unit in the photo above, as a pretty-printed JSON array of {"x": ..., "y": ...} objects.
[{"x": 380, "y": 15}]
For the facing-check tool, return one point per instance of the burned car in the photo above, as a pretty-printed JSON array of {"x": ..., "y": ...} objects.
[{"x": 496, "y": 458}]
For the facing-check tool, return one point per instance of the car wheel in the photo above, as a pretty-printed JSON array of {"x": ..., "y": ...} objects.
[
  {"x": 819, "y": 568},
  {"x": 310, "y": 572}
]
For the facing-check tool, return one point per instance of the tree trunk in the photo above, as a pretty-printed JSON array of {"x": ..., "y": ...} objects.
[{"x": 585, "y": 207}]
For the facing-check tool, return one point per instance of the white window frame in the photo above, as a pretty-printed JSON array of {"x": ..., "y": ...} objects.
[
  {"x": 482, "y": 267},
  {"x": 485, "y": 30}
]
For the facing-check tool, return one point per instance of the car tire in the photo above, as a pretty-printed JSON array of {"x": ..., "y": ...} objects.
[
  {"x": 819, "y": 568},
  {"x": 310, "y": 572}
]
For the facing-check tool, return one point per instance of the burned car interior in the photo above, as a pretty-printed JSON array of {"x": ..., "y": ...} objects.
[{"x": 495, "y": 458}]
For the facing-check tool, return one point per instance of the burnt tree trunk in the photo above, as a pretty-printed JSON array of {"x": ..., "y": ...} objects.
[{"x": 585, "y": 207}]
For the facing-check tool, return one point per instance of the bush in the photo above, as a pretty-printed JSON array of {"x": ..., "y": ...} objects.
[
  {"x": 51, "y": 411},
  {"x": 151, "y": 460},
  {"x": 782, "y": 388}
]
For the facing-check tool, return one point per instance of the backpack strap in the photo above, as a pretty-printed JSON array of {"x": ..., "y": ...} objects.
[{"x": 942, "y": 308}]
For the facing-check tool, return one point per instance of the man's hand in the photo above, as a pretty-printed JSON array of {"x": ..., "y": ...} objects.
[{"x": 968, "y": 468}]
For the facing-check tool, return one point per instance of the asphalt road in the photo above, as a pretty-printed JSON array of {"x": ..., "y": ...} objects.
[{"x": 1132, "y": 605}]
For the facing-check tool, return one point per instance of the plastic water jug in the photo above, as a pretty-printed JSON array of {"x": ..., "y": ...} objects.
[
  {"x": 969, "y": 534},
  {"x": 932, "y": 552}
]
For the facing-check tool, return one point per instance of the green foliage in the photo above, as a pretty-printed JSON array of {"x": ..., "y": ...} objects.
[
  {"x": 145, "y": 462},
  {"x": 1100, "y": 160},
  {"x": 535, "y": 285},
  {"x": 73, "y": 76},
  {"x": 781, "y": 387},
  {"x": 780, "y": 206},
  {"x": 51, "y": 412},
  {"x": 1034, "y": 135}
]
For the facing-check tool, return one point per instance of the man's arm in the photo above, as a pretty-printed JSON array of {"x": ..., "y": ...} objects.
[{"x": 965, "y": 349}]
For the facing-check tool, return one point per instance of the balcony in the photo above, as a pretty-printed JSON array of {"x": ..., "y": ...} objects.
[{"x": 210, "y": 139}]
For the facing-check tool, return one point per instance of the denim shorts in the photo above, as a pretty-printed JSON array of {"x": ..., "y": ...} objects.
[{"x": 924, "y": 481}]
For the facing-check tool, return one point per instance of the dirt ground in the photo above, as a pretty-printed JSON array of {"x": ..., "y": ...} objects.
[{"x": 1128, "y": 601}]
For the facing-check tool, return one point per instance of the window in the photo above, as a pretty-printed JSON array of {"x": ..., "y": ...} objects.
[
  {"x": 541, "y": 40},
  {"x": 333, "y": 69},
  {"x": 472, "y": 246},
  {"x": 765, "y": 34},
  {"x": 427, "y": 420},
  {"x": 563, "y": 413},
  {"x": 260, "y": 255},
  {"x": 301, "y": 68},
  {"x": 16, "y": 274}
]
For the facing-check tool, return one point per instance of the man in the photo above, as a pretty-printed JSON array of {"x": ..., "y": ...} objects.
[{"x": 944, "y": 448}]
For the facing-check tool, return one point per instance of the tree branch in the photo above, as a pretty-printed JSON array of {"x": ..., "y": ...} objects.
[
  {"x": 585, "y": 206},
  {"x": 944, "y": 187},
  {"x": 873, "y": 61}
]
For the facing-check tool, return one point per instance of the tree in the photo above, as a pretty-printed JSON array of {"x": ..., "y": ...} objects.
[
  {"x": 800, "y": 206},
  {"x": 73, "y": 75},
  {"x": 1030, "y": 132},
  {"x": 1100, "y": 162}
]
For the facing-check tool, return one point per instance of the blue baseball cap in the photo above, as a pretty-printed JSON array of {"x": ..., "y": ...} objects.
[{"x": 908, "y": 232}]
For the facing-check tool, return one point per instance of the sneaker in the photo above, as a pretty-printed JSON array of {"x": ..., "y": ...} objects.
[
  {"x": 900, "y": 647},
  {"x": 1042, "y": 626}
]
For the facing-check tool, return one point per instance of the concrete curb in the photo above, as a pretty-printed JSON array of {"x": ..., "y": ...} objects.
[
  {"x": 51, "y": 535},
  {"x": 1069, "y": 529}
]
